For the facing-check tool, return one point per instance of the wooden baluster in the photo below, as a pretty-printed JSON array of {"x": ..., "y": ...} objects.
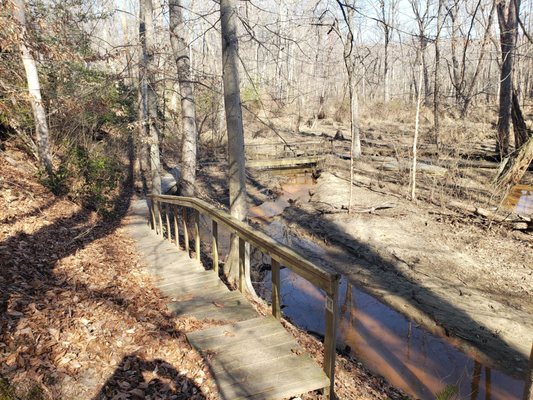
[
  {"x": 185, "y": 230},
  {"x": 152, "y": 212},
  {"x": 215, "y": 246},
  {"x": 167, "y": 216},
  {"x": 330, "y": 337},
  {"x": 197, "y": 234},
  {"x": 176, "y": 225},
  {"x": 276, "y": 289},
  {"x": 242, "y": 261},
  {"x": 160, "y": 219}
]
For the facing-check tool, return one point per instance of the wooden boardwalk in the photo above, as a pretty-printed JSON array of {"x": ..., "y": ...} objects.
[{"x": 250, "y": 356}]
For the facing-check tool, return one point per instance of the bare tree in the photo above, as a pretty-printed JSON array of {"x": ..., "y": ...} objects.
[
  {"x": 148, "y": 93},
  {"x": 188, "y": 107},
  {"x": 42, "y": 134},
  {"x": 234, "y": 125},
  {"x": 508, "y": 14},
  {"x": 387, "y": 14},
  {"x": 350, "y": 62}
]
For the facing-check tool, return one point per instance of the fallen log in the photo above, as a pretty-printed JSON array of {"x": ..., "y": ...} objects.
[
  {"x": 516, "y": 222},
  {"x": 515, "y": 166}
]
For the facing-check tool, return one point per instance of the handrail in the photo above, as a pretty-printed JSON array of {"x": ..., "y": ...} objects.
[{"x": 323, "y": 277}]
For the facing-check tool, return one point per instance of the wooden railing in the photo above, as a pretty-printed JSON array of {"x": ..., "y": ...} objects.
[
  {"x": 257, "y": 151},
  {"x": 165, "y": 216}
]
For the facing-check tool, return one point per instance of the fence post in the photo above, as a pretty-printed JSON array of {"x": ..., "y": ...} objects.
[
  {"x": 152, "y": 214},
  {"x": 197, "y": 234},
  {"x": 242, "y": 261},
  {"x": 330, "y": 337},
  {"x": 276, "y": 289},
  {"x": 214, "y": 233},
  {"x": 160, "y": 218},
  {"x": 167, "y": 217},
  {"x": 185, "y": 230},
  {"x": 176, "y": 226}
]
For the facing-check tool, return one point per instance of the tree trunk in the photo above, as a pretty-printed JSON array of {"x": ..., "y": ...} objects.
[
  {"x": 149, "y": 93},
  {"x": 188, "y": 108},
  {"x": 415, "y": 138},
  {"x": 42, "y": 135},
  {"x": 521, "y": 131},
  {"x": 436, "y": 83},
  {"x": 234, "y": 125},
  {"x": 508, "y": 21}
]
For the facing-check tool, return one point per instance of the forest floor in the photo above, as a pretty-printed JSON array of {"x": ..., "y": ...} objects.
[
  {"x": 80, "y": 318},
  {"x": 455, "y": 272}
]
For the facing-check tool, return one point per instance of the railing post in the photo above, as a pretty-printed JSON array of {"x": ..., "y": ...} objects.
[
  {"x": 185, "y": 230},
  {"x": 197, "y": 234},
  {"x": 276, "y": 289},
  {"x": 152, "y": 213},
  {"x": 160, "y": 219},
  {"x": 242, "y": 261},
  {"x": 167, "y": 217},
  {"x": 176, "y": 226},
  {"x": 330, "y": 337},
  {"x": 214, "y": 233}
]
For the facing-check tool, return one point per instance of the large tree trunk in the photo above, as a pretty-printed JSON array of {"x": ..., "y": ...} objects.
[
  {"x": 144, "y": 133},
  {"x": 149, "y": 94},
  {"x": 188, "y": 108},
  {"x": 234, "y": 126},
  {"x": 436, "y": 79},
  {"x": 508, "y": 21},
  {"x": 42, "y": 135}
]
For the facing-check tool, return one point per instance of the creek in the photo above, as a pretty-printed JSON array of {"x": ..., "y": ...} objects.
[{"x": 379, "y": 337}]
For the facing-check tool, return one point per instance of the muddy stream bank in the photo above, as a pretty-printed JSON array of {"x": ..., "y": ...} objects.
[{"x": 420, "y": 363}]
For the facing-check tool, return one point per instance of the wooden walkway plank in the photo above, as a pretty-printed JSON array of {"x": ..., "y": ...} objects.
[{"x": 251, "y": 357}]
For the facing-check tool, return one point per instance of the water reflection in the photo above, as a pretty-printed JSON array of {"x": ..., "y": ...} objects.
[
  {"x": 410, "y": 358},
  {"x": 520, "y": 200},
  {"x": 419, "y": 363}
]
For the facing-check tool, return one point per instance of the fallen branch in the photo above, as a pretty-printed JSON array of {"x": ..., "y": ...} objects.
[{"x": 522, "y": 223}]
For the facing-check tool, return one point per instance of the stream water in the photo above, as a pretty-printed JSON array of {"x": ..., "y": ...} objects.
[
  {"x": 382, "y": 339},
  {"x": 520, "y": 200}
]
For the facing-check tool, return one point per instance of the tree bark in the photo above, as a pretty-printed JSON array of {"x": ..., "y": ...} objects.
[
  {"x": 42, "y": 134},
  {"x": 188, "y": 107},
  {"x": 234, "y": 125},
  {"x": 436, "y": 80},
  {"x": 508, "y": 21},
  {"x": 148, "y": 91}
]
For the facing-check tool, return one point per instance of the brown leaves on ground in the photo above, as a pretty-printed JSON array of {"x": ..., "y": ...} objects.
[{"x": 78, "y": 316}]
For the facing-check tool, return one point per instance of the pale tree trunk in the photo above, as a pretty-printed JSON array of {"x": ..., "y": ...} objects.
[
  {"x": 508, "y": 21},
  {"x": 415, "y": 138},
  {"x": 147, "y": 40},
  {"x": 436, "y": 83},
  {"x": 349, "y": 63},
  {"x": 188, "y": 108},
  {"x": 42, "y": 134},
  {"x": 234, "y": 124}
]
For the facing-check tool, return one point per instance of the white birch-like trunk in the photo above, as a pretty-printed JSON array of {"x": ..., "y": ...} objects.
[
  {"x": 42, "y": 134},
  {"x": 415, "y": 138}
]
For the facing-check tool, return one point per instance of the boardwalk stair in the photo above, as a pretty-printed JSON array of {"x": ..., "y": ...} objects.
[{"x": 250, "y": 356}]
